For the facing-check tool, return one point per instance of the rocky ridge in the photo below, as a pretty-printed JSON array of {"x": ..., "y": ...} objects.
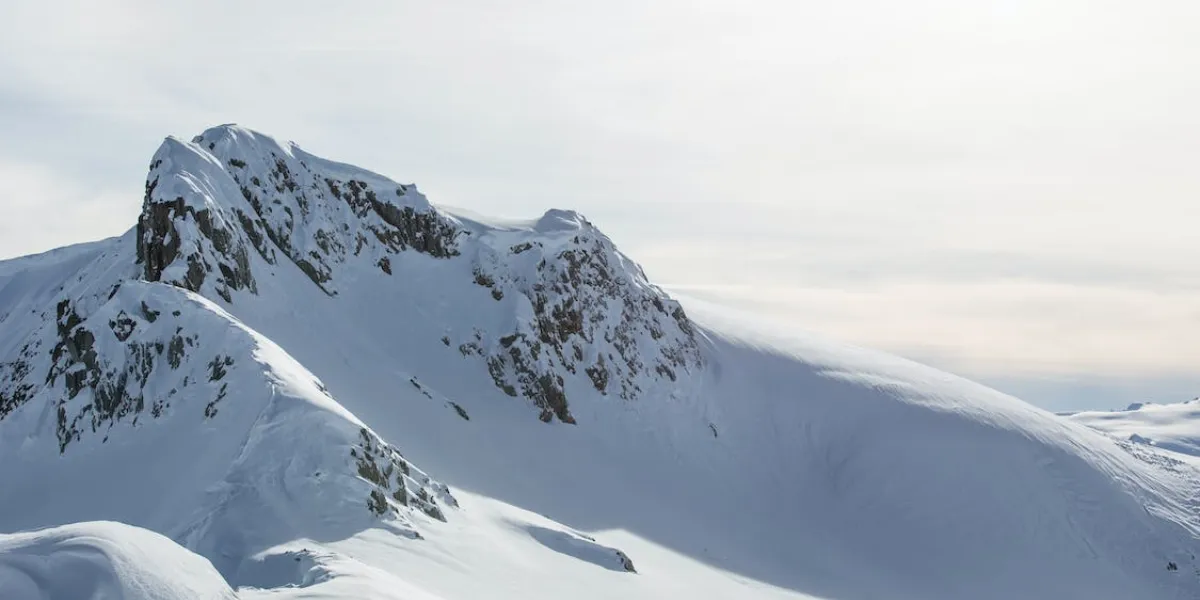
[{"x": 227, "y": 208}]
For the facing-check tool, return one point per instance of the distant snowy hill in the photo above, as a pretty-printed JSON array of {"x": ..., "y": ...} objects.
[
  {"x": 1173, "y": 427},
  {"x": 327, "y": 387}
]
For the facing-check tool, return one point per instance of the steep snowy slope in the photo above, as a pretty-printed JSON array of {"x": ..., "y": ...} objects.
[
  {"x": 1173, "y": 427},
  {"x": 160, "y": 409},
  {"x": 104, "y": 561},
  {"x": 589, "y": 427}
]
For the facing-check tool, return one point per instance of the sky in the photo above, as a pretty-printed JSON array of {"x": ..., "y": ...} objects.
[{"x": 1004, "y": 189}]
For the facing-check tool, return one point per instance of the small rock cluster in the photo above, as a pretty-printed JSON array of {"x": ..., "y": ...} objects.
[{"x": 395, "y": 482}]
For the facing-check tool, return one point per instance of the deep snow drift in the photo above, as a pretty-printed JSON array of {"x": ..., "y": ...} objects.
[
  {"x": 258, "y": 368},
  {"x": 104, "y": 561}
]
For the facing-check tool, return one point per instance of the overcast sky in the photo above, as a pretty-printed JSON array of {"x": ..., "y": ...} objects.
[{"x": 1009, "y": 190}]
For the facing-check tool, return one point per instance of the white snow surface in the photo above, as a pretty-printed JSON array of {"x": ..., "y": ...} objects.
[
  {"x": 719, "y": 460},
  {"x": 104, "y": 561}
]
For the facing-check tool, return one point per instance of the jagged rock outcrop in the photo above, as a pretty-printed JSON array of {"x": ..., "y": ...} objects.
[
  {"x": 16, "y": 387},
  {"x": 230, "y": 192},
  {"x": 397, "y": 483},
  {"x": 584, "y": 311}
]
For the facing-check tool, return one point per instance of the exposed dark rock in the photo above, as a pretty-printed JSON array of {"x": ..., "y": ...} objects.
[
  {"x": 216, "y": 367},
  {"x": 599, "y": 375},
  {"x": 377, "y": 503},
  {"x": 149, "y": 315},
  {"x": 665, "y": 371},
  {"x": 115, "y": 381},
  {"x": 122, "y": 326},
  {"x": 626, "y": 563},
  {"x": 15, "y": 387},
  {"x": 175, "y": 351},
  {"x": 425, "y": 232},
  {"x": 401, "y": 493},
  {"x": 421, "y": 388},
  {"x": 210, "y": 410},
  {"x": 256, "y": 237},
  {"x": 573, "y": 297},
  {"x": 156, "y": 248},
  {"x": 496, "y": 370},
  {"x": 380, "y": 464},
  {"x": 67, "y": 318},
  {"x": 317, "y": 276},
  {"x": 196, "y": 272},
  {"x": 159, "y": 239},
  {"x": 483, "y": 279}
]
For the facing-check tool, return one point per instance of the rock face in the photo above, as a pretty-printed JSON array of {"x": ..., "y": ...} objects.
[
  {"x": 584, "y": 311},
  {"x": 232, "y": 205},
  {"x": 231, "y": 192}
]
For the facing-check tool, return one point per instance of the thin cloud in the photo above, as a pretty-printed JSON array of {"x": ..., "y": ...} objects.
[{"x": 992, "y": 330}]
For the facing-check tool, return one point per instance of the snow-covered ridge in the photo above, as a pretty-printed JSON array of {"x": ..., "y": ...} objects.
[
  {"x": 231, "y": 192},
  {"x": 233, "y": 207},
  {"x": 156, "y": 368}
]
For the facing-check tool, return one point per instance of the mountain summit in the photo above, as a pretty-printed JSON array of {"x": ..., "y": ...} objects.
[
  {"x": 233, "y": 207},
  {"x": 308, "y": 376}
]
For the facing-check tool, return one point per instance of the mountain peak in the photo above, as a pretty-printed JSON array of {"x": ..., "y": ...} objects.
[
  {"x": 213, "y": 203},
  {"x": 235, "y": 207},
  {"x": 230, "y": 139},
  {"x": 231, "y": 132},
  {"x": 561, "y": 220}
]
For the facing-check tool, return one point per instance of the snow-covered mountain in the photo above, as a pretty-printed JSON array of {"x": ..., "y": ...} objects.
[
  {"x": 327, "y": 387},
  {"x": 1173, "y": 426}
]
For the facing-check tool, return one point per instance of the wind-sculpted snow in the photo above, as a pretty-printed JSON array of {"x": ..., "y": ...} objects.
[
  {"x": 103, "y": 561},
  {"x": 582, "y": 547}
]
